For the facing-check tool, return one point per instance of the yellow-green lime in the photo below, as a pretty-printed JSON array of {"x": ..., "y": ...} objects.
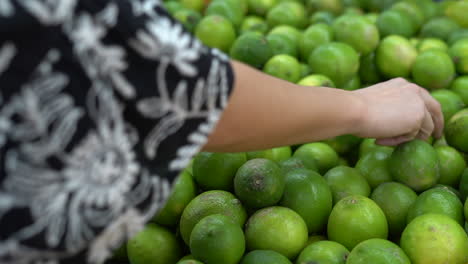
[
  {"x": 322, "y": 17},
  {"x": 251, "y": 48},
  {"x": 432, "y": 43},
  {"x": 215, "y": 171},
  {"x": 154, "y": 244},
  {"x": 216, "y": 31},
  {"x": 439, "y": 27},
  {"x": 377, "y": 251},
  {"x": 433, "y": 69},
  {"x": 336, "y": 60},
  {"x": 261, "y": 7},
  {"x": 354, "y": 219},
  {"x": 412, "y": 10},
  {"x": 287, "y": 13},
  {"x": 374, "y": 166},
  {"x": 255, "y": 24},
  {"x": 281, "y": 44},
  {"x": 188, "y": 257},
  {"x": 368, "y": 145},
  {"x": 344, "y": 143},
  {"x": 316, "y": 80},
  {"x": 450, "y": 189},
  {"x": 353, "y": 11},
  {"x": 450, "y": 102},
  {"x": 395, "y": 57},
  {"x": 394, "y": 22},
  {"x": 457, "y": 35},
  {"x": 358, "y": 32},
  {"x": 284, "y": 67},
  {"x": 189, "y": 261},
  {"x": 197, "y": 5},
  {"x": 189, "y": 18},
  {"x": 264, "y": 257},
  {"x": 333, "y": 6},
  {"x": 230, "y": 10},
  {"x": 415, "y": 41},
  {"x": 451, "y": 165},
  {"x": 307, "y": 193},
  {"x": 259, "y": 183},
  {"x": 429, "y": 8},
  {"x": 305, "y": 70},
  {"x": 372, "y": 17},
  {"x": 294, "y": 163},
  {"x": 329, "y": 252},
  {"x": 460, "y": 87},
  {"x": 459, "y": 53},
  {"x": 457, "y": 11},
  {"x": 394, "y": 199},
  {"x": 208, "y": 203},
  {"x": 416, "y": 164},
  {"x": 437, "y": 201},
  {"x": 346, "y": 181},
  {"x": 277, "y": 154},
  {"x": 314, "y": 36},
  {"x": 456, "y": 131},
  {"x": 353, "y": 84},
  {"x": 216, "y": 239},
  {"x": 435, "y": 239},
  {"x": 276, "y": 228},
  {"x": 368, "y": 70},
  {"x": 183, "y": 191},
  {"x": 290, "y": 32},
  {"x": 173, "y": 6},
  {"x": 325, "y": 156},
  {"x": 315, "y": 238}
]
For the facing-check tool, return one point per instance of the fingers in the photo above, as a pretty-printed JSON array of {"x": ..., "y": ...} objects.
[
  {"x": 427, "y": 126},
  {"x": 435, "y": 111},
  {"x": 394, "y": 141}
]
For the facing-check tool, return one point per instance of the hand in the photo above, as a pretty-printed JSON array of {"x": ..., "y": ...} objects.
[{"x": 397, "y": 111}]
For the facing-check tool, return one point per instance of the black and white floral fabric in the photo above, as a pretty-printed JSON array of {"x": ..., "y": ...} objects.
[{"x": 102, "y": 103}]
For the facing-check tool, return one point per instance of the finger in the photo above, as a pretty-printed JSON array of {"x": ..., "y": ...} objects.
[
  {"x": 394, "y": 141},
  {"x": 436, "y": 113},
  {"x": 427, "y": 126}
]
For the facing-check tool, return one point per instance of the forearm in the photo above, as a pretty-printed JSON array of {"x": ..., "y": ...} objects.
[{"x": 265, "y": 112}]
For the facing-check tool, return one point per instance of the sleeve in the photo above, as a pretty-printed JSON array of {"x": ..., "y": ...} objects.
[{"x": 102, "y": 104}]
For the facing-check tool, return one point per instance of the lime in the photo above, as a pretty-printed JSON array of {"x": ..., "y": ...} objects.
[
  {"x": 255, "y": 24},
  {"x": 216, "y": 239},
  {"x": 459, "y": 53},
  {"x": 277, "y": 154},
  {"x": 208, "y": 203},
  {"x": 333, "y": 6},
  {"x": 450, "y": 102},
  {"x": 412, "y": 10},
  {"x": 394, "y": 199},
  {"x": 183, "y": 191},
  {"x": 173, "y": 6},
  {"x": 353, "y": 84},
  {"x": 460, "y": 87},
  {"x": 276, "y": 228},
  {"x": 374, "y": 166},
  {"x": 314, "y": 36},
  {"x": 377, "y": 251},
  {"x": 355, "y": 219},
  {"x": 287, "y": 13},
  {"x": 297, "y": 163},
  {"x": 317, "y": 80},
  {"x": 372, "y": 17},
  {"x": 415, "y": 163},
  {"x": 466, "y": 209},
  {"x": 432, "y": 43},
  {"x": 452, "y": 165},
  {"x": 315, "y": 238},
  {"x": 281, "y": 44},
  {"x": 433, "y": 69},
  {"x": 437, "y": 201},
  {"x": 415, "y": 42},
  {"x": 450, "y": 189},
  {"x": 323, "y": 252},
  {"x": 189, "y": 261},
  {"x": 429, "y": 8},
  {"x": 368, "y": 145},
  {"x": 457, "y": 11},
  {"x": 439, "y": 27},
  {"x": 307, "y": 193},
  {"x": 264, "y": 257},
  {"x": 358, "y": 32},
  {"x": 251, "y": 48},
  {"x": 325, "y": 157},
  {"x": 215, "y": 171},
  {"x": 259, "y": 183},
  {"x": 457, "y": 35},
  {"x": 284, "y": 67},
  {"x": 196, "y": 5},
  {"x": 368, "y": 71},
  {"x": 216, "y": 31},
  {"x": 226, "y": 9},
  {"x": 288, "y": 31},
  {"x": 435, "y": 239},
  {"x": 344, "y": 143},
  {"x": 346, "y": 181},
  {"x": 188, "y": 257},
  {"x": 456, "y": 131},
  {"x": 353, "y": 11},
  {"x": 393, "y": 22},
  {"x": 322, "y": 17},
  {"x": 395, "y": 57},
  {"x": 261, "y": 7},
  {"x": 463, "y": 186},
  {"x": 189, "y": 18},
  {"x": 339, "y": 61},
  {"x": 154, "y": 244}
]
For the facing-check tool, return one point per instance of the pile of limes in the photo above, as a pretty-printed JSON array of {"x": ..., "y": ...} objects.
[{"x": 344, "y": 200}]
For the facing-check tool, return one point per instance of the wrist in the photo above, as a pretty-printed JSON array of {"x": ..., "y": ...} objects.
[{"x": 358, "y": 113}]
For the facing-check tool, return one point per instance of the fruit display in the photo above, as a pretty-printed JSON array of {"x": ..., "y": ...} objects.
[{"x": 344, "y": 200}]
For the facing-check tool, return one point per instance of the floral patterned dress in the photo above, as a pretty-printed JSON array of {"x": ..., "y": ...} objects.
[{"x": 102, "y": 103}]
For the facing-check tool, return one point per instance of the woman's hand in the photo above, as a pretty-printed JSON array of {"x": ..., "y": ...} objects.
[{"x": 397, "y": 111}]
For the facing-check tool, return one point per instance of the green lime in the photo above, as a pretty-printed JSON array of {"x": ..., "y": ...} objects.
[
  {"x": 325, "y": 157},
  {"x": 208, "y": 203},
  {"x": 154, "y": 244},
  {"x": 416, "y": 164},
  {"x": 374, "y": 166},
  {"x": 297, "y": 163},
  {"x": 394, "y": 199},
  {"x": 196, "y": 5},
  {"x": 287, "y": 13},
  {"x": 281, "y": 44},
  {"x": 276, "y": 228},
  {"x": 322, "y": 17},
  {"x": 228, "y": 10},
  {"x": 372, "y": 17},
  {"x": 305, "y": 70},
  {"x": 314, "y": 36},
  {"x": 439, "y": 27},
  {"x": 358, "y": 32},
  {"x": 323, "y": 252},
  {"x": 463, "y": 186},
  {"x": 216, "y": 239},
  {"x": 255, "y": 24},
  {"x": 460, "y": 87},
  {"x": 339, "y": 61},
  {"x": 290, "y": 32},
  {"x": 377, "y": 251},
  {"x": 457, "y": 11},
  {"x": 215, "y": 171},
  {"x": 450, "y": 102},
  {"x": 412, "y": 10},
  {"x": 189, "y": 261},
  {"x": 432, "y": 43},
  {"x": 346, "y": 181},
  {"x": 353, "y": 84},
  {"x": 264, "y": 257},
  {"x": 395, "y": 57},
  {"x": 344, "y": 143},
  {"x": 173, "y": 6},
  {"x": 394, "y": 22},
  {"x": 277, "y": 154},
  {"x": 316, "y": 80},
  {"x": 435, "y": 239},
  {"x": 216, "y": 31},
  {"x": 355, "y": 219},
  {"x": 451, "y": 165},
  {"x": 456, "y": 131},
  {"x": 189, "y": 18},
  {"x": 307, "y": 193},
  {"x": 284, "y": 67},
  {"x": 261, "y": 7},
  {"x": 315, "y": 238},
  {"x": 459, "y": 53},
  {"x": 368, "y": 145},
  {"x": 433, "y": 69},
  {"x": 437, "y": 201},
  {"x": 251, "y": 48},
  {"x": 457, "y": 35},
  {"x": 333, "y": 6},
  {"x": 368, "y": 70},
  {"x": 259, "y": 183}
]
